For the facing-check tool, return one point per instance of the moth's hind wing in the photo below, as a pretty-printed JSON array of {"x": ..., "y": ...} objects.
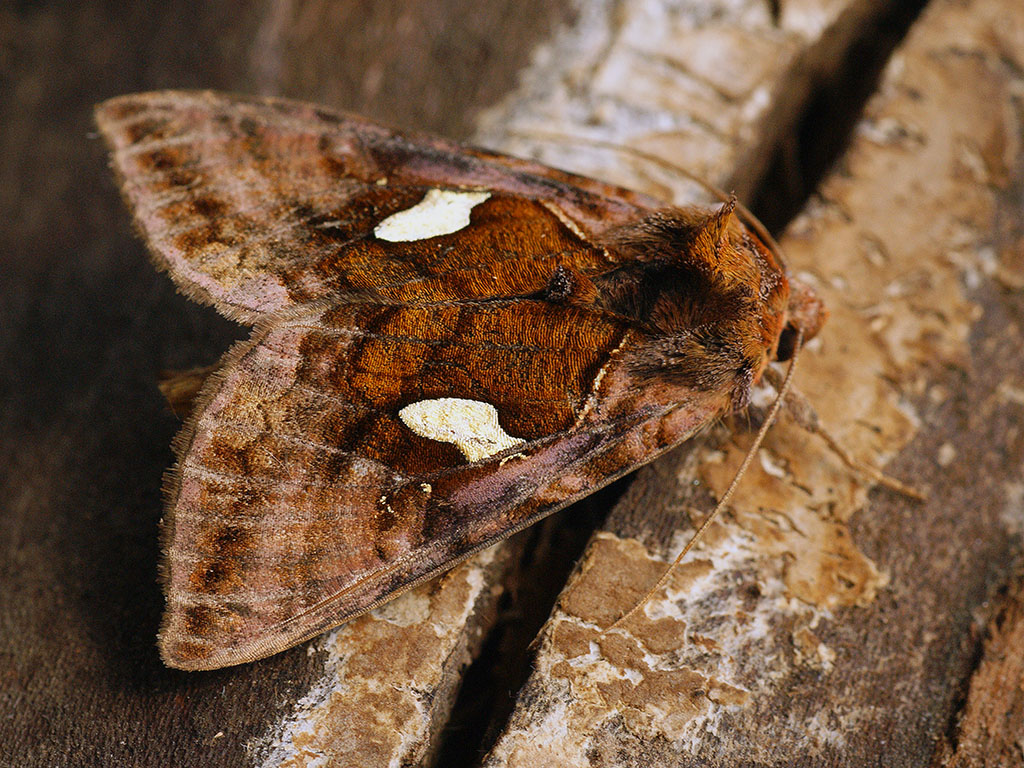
[
  {"x": 316, "y": 477},
  {"x": 257, "y": 205}
]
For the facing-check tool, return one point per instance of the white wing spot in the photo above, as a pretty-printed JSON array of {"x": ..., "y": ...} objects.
[
  {"x": 441, "y": 212},
  {"x": 471, "y": 424}
]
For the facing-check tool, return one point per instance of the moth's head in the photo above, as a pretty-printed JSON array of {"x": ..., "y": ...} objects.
[
  {"x": 792, "y": 312},
  {"x": 713, "y": 298},
  {"x": 785, "y": 306}
]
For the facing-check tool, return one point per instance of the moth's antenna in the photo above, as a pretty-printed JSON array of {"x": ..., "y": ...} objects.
[
  {"x": 745, "y": 213},
  {"x": 776, "y": 406}
]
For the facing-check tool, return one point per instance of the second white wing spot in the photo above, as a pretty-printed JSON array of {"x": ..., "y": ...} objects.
[
  {"x": 471, "y": 425},
  {"x": 440, "y": 212}
]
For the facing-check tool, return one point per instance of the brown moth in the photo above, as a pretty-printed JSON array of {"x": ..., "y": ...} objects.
[{"x": 448, "y": 345}]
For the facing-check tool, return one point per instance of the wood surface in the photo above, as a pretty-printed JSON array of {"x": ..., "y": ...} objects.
[{"x": 822, "y": 623}]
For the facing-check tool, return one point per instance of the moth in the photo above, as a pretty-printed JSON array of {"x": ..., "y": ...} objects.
[{"x": 448, "y": 344}]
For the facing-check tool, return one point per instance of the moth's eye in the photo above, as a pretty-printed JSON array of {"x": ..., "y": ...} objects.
[{"x": 787, "y": 343}]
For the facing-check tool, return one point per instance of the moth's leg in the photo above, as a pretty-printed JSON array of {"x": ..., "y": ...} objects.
[
  {"x": 180, "y": 388},
  {"x": 803, "y": 413}
]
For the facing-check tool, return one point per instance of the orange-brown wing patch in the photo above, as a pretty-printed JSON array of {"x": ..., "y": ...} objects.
[{"x": 512, "y": 248}]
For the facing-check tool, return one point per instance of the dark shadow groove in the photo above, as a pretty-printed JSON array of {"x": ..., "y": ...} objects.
[
  {"x": 490, "y": 685},
  {"x": 805, "y": 150}
]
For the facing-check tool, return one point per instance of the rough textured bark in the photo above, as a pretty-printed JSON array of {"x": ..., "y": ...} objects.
[
  {"x": 991, "y": 727},
  {"x": 820, "y": 623}
]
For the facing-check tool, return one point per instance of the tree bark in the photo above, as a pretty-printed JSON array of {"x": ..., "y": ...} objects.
[{"x": 822, "y": 622}]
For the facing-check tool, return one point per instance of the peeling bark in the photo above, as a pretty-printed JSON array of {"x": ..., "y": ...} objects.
[{"x": 821, "y": 623}]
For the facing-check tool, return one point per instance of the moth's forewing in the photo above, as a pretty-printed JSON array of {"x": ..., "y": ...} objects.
[{"x": 255, "y": 205}]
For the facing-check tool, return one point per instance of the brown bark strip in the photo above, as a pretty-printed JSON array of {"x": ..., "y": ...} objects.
[
  {"x": 991, "y": 727},
  {"x": 820, "y": 625}
]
